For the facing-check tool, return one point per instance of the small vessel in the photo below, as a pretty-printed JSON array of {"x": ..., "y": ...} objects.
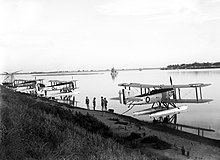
[{"x": 114, "y": 71}]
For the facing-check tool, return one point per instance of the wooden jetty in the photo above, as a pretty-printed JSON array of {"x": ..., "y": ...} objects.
[{"x": 180, "y": 127}]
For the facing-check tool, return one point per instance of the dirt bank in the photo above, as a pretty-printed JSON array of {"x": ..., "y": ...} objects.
[{"x": 195, "y": 147}]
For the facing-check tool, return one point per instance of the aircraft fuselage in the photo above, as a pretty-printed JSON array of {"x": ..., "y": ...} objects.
[{"x": 150, "y": 99}]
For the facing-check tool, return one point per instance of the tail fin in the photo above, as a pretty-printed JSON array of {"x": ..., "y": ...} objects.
[{"x": 122, "y": 96}]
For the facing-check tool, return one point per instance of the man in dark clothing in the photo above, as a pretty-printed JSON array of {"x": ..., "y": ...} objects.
[
  {"x": 105, "y": 104},
  {"x": 102, "y": 103},
  {"x": 87, "y": 102},
  {"x": 94, "y": 103}
]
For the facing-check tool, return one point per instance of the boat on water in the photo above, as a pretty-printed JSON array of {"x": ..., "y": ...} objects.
[{"x": 114, "y": 71}]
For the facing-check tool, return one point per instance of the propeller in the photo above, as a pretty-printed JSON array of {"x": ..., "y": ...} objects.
[
  {"x": 171, "y": 81},
  {"x": 10, "y": 75},
  {"x": 173, "y": 92}
]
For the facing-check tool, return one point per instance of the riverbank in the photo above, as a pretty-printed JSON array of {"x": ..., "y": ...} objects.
[
  {"x": 35, "y": 127},
  {"x": 195, "y": 65}
]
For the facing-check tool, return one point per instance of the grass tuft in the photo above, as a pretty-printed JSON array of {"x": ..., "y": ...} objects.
[{"x": 157, "y": 143}]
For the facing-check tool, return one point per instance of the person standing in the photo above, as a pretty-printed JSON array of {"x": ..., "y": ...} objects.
[
  {"x": 105, "y": 104},
  {"x": 94, "y": 103},
  {"x": 102, "y": 103},
  {"x": 87, "y": 102}
]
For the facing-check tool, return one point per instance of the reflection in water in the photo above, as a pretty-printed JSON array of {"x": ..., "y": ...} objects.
[
  {"x": 114, "y": 75},
  {"x": 195, "y": 71}
]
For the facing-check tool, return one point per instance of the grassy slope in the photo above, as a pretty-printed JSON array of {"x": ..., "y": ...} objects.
[{"x": 35, "y": 129}]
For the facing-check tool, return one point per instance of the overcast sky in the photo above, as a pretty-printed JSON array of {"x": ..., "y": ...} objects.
[{"x": 44, "y": 35}]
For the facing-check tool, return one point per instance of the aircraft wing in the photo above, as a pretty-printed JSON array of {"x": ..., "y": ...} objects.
[
  {"x": 194, "y": 85},
  {"x": 60, "y": 83},
  {"x": 66, "y": 94},
  {"x": 187, "y": 100},
  {"x": 139, "y": 85}
]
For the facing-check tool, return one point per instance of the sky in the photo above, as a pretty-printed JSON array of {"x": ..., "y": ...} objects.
[{"x": 49, "y": 35}]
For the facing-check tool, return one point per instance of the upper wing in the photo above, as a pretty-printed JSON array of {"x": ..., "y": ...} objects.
[
  {"x": 60, "y": 83},
  {"x": 187, "y": 100},
  {"x": 139, "y": 85},
  {"x": 194, "y": 85}
]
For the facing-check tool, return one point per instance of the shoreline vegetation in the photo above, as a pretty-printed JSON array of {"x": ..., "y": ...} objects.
[
  {"x": 78, "y": 72},
  {"x": 37, "y": 128},
  {"x": 196, "y": 65}
]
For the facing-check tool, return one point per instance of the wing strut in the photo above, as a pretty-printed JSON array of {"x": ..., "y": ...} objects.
[{"x": 131, "y": 106}]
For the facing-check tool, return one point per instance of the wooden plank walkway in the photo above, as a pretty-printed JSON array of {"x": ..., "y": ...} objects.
[{"x": 200, "y": 130}]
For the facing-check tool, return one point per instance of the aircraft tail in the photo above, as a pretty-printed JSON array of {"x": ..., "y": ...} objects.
[
  {"x": 122, "y": 96},
  {"x": 123, "y": 100}
]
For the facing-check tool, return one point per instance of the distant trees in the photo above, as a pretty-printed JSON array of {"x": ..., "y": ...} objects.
[{"x": 194, "y": 65}]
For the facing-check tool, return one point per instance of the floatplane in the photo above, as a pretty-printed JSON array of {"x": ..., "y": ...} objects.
[
  {"x": 62, "y": 90},
  {"x": 21, "y": 85},
  {"x": 27, "y": 86},
  {"x": 162, "y": 98}
]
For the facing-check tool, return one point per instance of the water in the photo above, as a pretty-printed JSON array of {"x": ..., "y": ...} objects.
[{"x": 200, "y": 115}]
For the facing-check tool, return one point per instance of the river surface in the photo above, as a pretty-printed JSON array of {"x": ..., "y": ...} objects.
[{"x": 205, "y": 115}]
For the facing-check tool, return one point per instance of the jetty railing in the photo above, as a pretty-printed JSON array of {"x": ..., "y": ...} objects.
[{"x": 200, "y": 130}]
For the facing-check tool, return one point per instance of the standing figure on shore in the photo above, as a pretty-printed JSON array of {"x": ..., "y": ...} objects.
[
  {"x": 94, "y": 103},
  {"x": 102, "y": 103},
  {"x": 87, "y": 102},
  {"x": 105, "y": 104}
]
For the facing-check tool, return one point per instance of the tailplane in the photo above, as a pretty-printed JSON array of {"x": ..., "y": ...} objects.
[{"x": 123, "y": 96}]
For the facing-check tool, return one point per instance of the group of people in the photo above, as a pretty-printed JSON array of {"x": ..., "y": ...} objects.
[{"x": 104, "y": 103}]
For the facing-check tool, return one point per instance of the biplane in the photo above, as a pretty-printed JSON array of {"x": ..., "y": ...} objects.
[
  {"x": 27, "y": 86},
  {"x": 162, "y": 98},
  {"x": 21, "y": 85},
  {"x": 57, "y": 89}
]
